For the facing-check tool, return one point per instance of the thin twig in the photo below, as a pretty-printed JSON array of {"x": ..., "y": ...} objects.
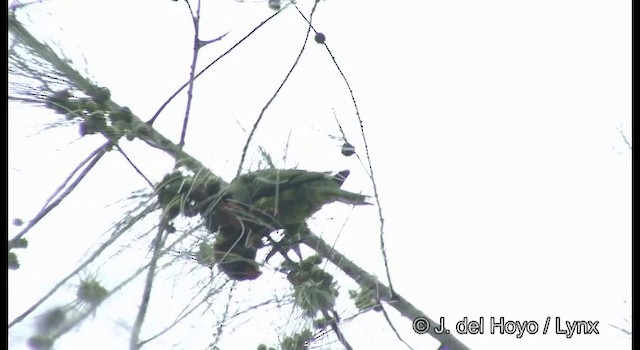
[
  {"x": 94, "y": 157},
  {"x": 117, "y": 234},
  {"x": 194, "y": 60},
  {"x": 166, "y": 103},
  {"x": 366, "y": 149},
  {"x": 183, "y": 314},
  {"x": 624, "y": 138},
  {"x": 88, "y": 311},
  {"x": 264, "y": 109},
  {"x": 393, "y": 328},
  {"x": 344, "y": 136},
  {"x": 225, "y": 315},
  {"x": 367, "y": 281},
  {"x": 146, "y": 179},
  {"x": 148, "y": 286},
  {"x": 97, "y": 152},
  {"x": 373, "y": 181},
  {"x": 333, "y": 323},
  {"x": 203, "y": 43}
]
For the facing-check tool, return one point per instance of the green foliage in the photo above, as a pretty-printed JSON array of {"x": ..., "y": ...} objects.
[
  {"x": 124, "y": 114},
  {"x": 298, "y": 341},
  {"x": 171, "y": 192},
  {"x": 264, "y": 347},
  {"x": 61, "y": 102},
  {"x": 324, "y": 322},
  {"x": 94, "y": 123},
  {"x": 313, "y": 289},
  {"x": 274, "y": 5},
  {"x": 19, "y": 243},
  {"x": 365, "y": 299},
  {"x": 187, "y": 195},
  {"x": 14, "y": 264},
  {"x": 99, "y": 94},
  {"x": 92, "y": 292},
  {"x": 48, "y": 326},
  {"x": 40, "y": 342},
  {"x": 94, "y": 115},
  {"x": 51, "y": 320},
  {"x": 205, "y": 254}
]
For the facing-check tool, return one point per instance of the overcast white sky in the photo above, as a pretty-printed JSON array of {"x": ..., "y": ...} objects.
[{"x": 493, "y": 130}]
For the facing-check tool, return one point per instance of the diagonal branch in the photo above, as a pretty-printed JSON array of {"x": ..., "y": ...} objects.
[
  {"x": 152, "y": 137},
  {"x": 51, "y": 204},
  {"x": 114, "y": 236},
  {"x": 333, "y": 323},
  {"x": 624, "y": 138},
  {"x": 166, "y": 103},
  {"x": 192, "y": 72},
  {"x": 148, "y": 286},
  {"x": 366, "y": 149},
  {"x": 366, "y": 280}
]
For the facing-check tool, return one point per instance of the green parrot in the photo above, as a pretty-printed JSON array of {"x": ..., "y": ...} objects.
[
  {"x": 264, "y": 201},
  {"x": 291, "y": 196}
]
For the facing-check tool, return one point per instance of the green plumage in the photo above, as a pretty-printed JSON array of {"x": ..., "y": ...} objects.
[
  {"x": 292, "y": 195},
  {"x": 260, "y": 202}
]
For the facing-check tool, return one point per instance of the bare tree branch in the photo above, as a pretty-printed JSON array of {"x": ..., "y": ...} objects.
[
  {"x": 166, "y": 103},
  {"x": 624, "y": 138},
  {"x": 148, "y": 286},
  {"x": 366, "y": 149},
  {"x": 94, "y": 157},
  {"x": 365, "y": 280},
  {"x": 196, "y": 49},
  {"x": 273, "y": 97},
  {"x": 119, "y": 231},
  {"x": 152, "y": 137}
]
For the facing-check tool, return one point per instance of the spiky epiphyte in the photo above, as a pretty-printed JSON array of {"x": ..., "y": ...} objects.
[
  {"x": 274, "y": 5},
  {"x": 92, "y": 292},
  {"x": 365, "y": 299},
  {"x": 40, "y": 342},
  {"x": 298, "y": 341},
  {"x": 51, "y": 320},
  {"x": 14, "y": 264},
  {"x": 19, "y": 243},
  {"x": 314, "y": 289},
  {"x": 189, "y": 196},
  {"x": 99, "y": 94}
]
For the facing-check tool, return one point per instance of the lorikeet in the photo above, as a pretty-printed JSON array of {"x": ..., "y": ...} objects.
[
  {"x": 284, "y": 199},
  {"x": 292, "y": 195}
]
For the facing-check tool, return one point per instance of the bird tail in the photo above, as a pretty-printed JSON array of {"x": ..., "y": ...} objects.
[
  {"x": 341, "y": 176},
  {"x": 347, "y": 197}
]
